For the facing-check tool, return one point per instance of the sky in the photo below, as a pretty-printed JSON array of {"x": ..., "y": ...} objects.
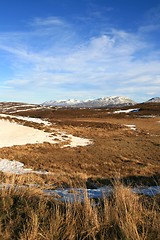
[{"x": 79, "y": 49}]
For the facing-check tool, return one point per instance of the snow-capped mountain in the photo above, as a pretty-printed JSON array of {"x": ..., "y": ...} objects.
[
  {"x": 155, "y": 99},
  {"x": 100, "y": 102},
  {"x": 62, "y": 103}
]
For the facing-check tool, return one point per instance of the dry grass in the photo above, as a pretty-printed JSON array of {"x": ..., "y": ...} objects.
[
  {"x": 44, "y": 181},
  {"x": 26, "y": 214},
  {"x": 114, "y": 148}
]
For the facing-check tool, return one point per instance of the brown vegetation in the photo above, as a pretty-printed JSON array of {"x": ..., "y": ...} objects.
[
  {"x": 27, "y": 214},
  {"x": 116, "y": 150}
]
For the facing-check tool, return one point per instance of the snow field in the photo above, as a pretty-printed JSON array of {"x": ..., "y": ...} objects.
[{"x": 12, "y": 133}]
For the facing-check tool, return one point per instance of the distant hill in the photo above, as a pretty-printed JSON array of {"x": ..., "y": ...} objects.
[
  {"x": 155, "y": 99},
  {"x": 96, "y": 103}
]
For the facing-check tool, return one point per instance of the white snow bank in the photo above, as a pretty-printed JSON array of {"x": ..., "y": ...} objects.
[
  {"x": 16, "y": 167},
  {"x": 127, "y": 110},
  {"x": 28, "y": 119},
  {"x": 14, "y": 134}
]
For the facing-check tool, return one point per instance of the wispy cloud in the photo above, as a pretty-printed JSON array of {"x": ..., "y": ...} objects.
[
  {"x": 50, "y": 21},
  {"x": 57, "y": 60}
]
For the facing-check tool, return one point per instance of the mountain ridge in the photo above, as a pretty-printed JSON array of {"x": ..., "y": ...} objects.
[
  {"x": 92, "y": 103},
  {"x": 154, "y": 99}
]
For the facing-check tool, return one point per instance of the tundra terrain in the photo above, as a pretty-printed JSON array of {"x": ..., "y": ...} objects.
[{"x": 123, "y": 144}]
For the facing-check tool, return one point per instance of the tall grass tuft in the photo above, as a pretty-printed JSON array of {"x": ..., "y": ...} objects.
[{"x": 27, "y": 214}]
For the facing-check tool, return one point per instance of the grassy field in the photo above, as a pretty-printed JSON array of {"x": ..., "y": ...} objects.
[{"x": 117, "y": 152}]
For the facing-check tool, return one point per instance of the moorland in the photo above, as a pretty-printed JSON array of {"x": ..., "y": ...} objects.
[{"x": 123, "y": 152}]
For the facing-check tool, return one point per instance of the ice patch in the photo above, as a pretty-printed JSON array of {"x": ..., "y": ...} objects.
[
  {"x": 150, "y": 191},
  {"x": 79, "y": 194}
]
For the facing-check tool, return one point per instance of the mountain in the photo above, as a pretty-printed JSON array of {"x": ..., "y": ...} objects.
[
  {"x": 97, "y": 103},
  {"x": 152, "y": 100},
  {"x": 62, "y": 103}
]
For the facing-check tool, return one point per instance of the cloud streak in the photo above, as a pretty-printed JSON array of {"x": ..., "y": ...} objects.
[{"x": 50, "y": 21}]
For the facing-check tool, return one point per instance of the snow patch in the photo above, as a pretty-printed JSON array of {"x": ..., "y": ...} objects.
[
  {"x": 77, "y": 141},
  {"x": 127, "y": 110},
  {"x": 16, "y": 167},
  {"x": 15, "y": 134},
  {"x": 12, "y": 133},
  {"x": 147, "y": 116},
  {"x": 132, "y": 127},
  {"x": 25, "y": 110},
  {"x": 28, "y": 119}
]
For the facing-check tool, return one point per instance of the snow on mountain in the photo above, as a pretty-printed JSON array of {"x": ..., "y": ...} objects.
[
  {"x": 62, "y": 103},
  {"x": 110, "y": 101},
  {"x": 155, "y": 99},
  {"x": 100, "y": 102}
]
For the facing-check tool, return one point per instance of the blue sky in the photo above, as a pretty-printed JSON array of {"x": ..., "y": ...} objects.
[{"x": 61, "y": 49}]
